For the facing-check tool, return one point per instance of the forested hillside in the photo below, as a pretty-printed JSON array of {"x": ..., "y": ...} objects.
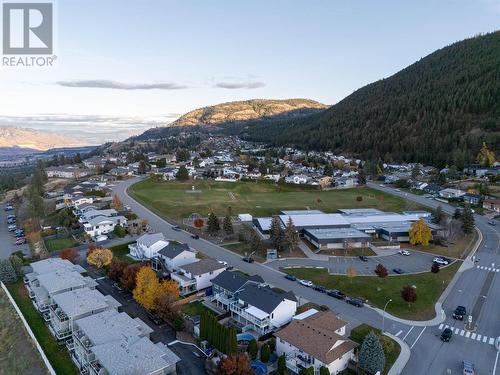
[{"x": 438, "y": 110}]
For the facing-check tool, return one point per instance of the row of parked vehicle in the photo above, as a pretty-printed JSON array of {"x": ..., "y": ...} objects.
[
  {"x": 12, "y": 227},
  {"x": 355, "y": 301}
]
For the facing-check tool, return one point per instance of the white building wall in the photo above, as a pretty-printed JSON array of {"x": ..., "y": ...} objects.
[
  {"x": 205, "y": 280},
  {"x": 283, "y": 313},
  {"x": 182, "y": 259}
]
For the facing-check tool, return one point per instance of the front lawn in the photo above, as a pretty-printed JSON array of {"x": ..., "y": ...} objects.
[
  {"x": 458, "y": 249},
  {"x": 57, "y": 354},
  {"x": 121, "y": 252},
  {"x": 391, "y": 347},
  {"x": 60, "y": 243},
  {"x": 379, "y": 290}
]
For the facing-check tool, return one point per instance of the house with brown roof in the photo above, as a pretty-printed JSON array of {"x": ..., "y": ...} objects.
[{"x": 316, "y": 340}]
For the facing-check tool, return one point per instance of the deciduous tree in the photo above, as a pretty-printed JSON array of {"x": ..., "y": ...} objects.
[
  {"x": 235, "y": 365},
  {"x": 116, "y": 203},
  {"x": 485, "y": 156},
  {"x": 146, "y": 289},
  {"x": 420, "y": 233},
  {"x": 128, "y": 279},
  {"x": 381, "y": 271},
  {"x": 70, "y": 254},
  {"x": 351, "y": 273},
  {"x": 409, "y": 294},
  {"x": 116, "y": 269},
  {"x": 100, "y": 257},
  {"x": 435, "y": 267}
]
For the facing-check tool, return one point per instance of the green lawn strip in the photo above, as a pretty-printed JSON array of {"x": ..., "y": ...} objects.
[
  {"x": 121, "y": 252},
  {"x": 391, "y": 347},
  {"x": 173, "y": 199},
  {"x": 60, "y": 243},
  {"x": 379, "y": 290},
  {"x": 57, "y": 354},
  {"x": 194, "y": 308},
  {"x": 243, "y": 249}
]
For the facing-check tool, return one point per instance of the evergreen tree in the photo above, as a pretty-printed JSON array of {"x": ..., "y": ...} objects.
[
  {"x": 291, "y": 235},
  {"x": 7, "y": 272},
  {"x": 328, "y": 170},
  {"x": 182, "y": 174},
  {"x": 212, "y": 223},
  {"x": 143, "y": 167},
  {"x": 371, "y": 355},
  {"x": 324, "y": 371},
  {"x": 361, "y": 176},
  {"x": 438, "y": 215},
  {"x": 252, "y": 349},
  {"x": 265, "y": 353},
  {"x": 467, "y": 220},
  {"x": 307, "y": 371},
  {"x": 282, "y": 365},
  {"x": 276, "y": 232},
  {"x": 457, "y": 214},
  {"x": 415, "y": 172},
  {"x": 227, "y": 224}
]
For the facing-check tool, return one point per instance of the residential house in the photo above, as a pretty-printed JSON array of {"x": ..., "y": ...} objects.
[
  {"x": 80, "y": 209},
  {"x": 227, "y": 285},
  {"x": 316, "y": 341},
  {"x": 94, "y": 162},
  {"x": 260, "y": 309},
  {"x": 103, "y": 225},
  {"x": 121, "y": 171},
  {"x": 196, "y": 276},
  {"x": 472, "y": 199},
  {"x": 147, "y": 246},
  {"x": 97, "y": 338},
  {"x": 67, "y": 171},
  {"x": 451, "y": 193},
  {"x": 175, "y": 254},
  {"x": 492, "y": 204},
  {"x": 433, "y": 189},
  {"x": 296, "y": 179},
  {"x": 69, "y": 306},
  {"x": 91, "y": 214}
]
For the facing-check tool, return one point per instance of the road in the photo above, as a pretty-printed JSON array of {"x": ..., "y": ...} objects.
[
  {"x": 429, "y": 355},
  {"x": 476, "y": 290}
]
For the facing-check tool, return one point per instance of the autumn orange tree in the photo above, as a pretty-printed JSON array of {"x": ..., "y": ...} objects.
[
  {"x": 235, "y": 365},
  {"x": 69, "y": 254},
  {"x": 100, "y": 257},
  {"x": 351, "y": 273},
  {"x": 116, "y": 203},
  {"x": 148, "y": 288},
  {"x": 420, "y": 233}
]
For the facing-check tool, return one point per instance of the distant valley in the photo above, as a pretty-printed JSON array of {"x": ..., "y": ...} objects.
[{"x": 16, "y": 140}]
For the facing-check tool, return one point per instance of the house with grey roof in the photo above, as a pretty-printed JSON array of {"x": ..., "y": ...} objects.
[
  {"x": 260, "y": 309},
  {"x": 197, "y": 275},
  {"x": 175, "y": 255},
  {"x": 103, "y": 224},
  {"x": 112, "y": 331},
  {"x": 70, "y": 306},
  {"x": 147, "y": 246},
  {"x": 227, "y": 285}
]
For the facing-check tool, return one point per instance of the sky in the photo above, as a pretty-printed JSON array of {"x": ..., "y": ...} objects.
[{"x": 124, "y": 66}]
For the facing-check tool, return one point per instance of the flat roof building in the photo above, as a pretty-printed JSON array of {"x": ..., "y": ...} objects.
[{"x": 337, "y": 238}]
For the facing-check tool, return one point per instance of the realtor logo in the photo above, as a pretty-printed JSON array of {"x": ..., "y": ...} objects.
[{"x": 27, "y": 28}]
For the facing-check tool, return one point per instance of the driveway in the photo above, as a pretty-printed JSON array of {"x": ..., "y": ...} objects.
[
  {"x": 7, "y": 238},
  {"x": 191, "y": 363}
]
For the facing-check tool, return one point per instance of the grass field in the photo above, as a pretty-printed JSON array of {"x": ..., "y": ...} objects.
[
  {"x": 60, "y": 243},
  {"x": 174, "y": 199},
  {"x": 57, "y": 354},
  {"x": 121, "y": 251},
  {"x": 18, "y": 354},
  {"x": 379, "y": 290},
  {"x": 391, "y": 347}
]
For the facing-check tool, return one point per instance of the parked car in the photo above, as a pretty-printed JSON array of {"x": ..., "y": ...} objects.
[
  {"x": 117, "y": 286},
  {"x": 223, "y": 262},
  {"x": 19, "y": 234},
  {"x": 468, "y": 368},
  {"x": 399, "y": 271},
  {"x": 404, "y": 252},
  {"x": 441, "y": 261},
  {"x": 248, "y": 259},
  {"x": 358, "y": 302},
  {"x": 320, "y": 288},
  {"x": 446, "y": 335},
  {"x": 176, "y": 228},
  {"x": 21, "y": 241},
  {"x": 459, "y": 313},
  {"x": 363, "y": 258},
  {"x": 290, "y": 277},
  {"x": 492, "y": 222},
  {"x": 195, "y": 236},
  {"x": 335, "y": 293},
  {"x": 11, "y": 221},
  {"x": 306, "y": 283},
  {"x": 12, "y": 227},
  {"x": 9, "y": 207}
]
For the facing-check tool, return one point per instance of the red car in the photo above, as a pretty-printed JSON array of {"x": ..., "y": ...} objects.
[{"x": 21, "y": 241}]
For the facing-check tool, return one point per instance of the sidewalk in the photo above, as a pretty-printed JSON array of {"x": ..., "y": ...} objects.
[
  {"x": 310, "y": 254},
  {"x": 398, "y": 366}
]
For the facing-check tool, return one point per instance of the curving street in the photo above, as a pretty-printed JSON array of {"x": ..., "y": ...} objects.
[{"x": 474, "y": 289}]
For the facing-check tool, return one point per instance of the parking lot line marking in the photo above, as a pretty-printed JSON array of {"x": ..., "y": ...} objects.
[
  {"x": 411, "y": 347},
  {"x": 467, "y": 334},
  {"x": 407, "y": 333},
  {"x": 397, "y": 334},
  {"x": 492, "y": 341},
  {"x": 485, "y": 338},
  {"x": 478, "y": 338},
  {"x": 441, "y": 326},
  {"x": 462, "y": 332},
  {"x": 473, "y": 336}
]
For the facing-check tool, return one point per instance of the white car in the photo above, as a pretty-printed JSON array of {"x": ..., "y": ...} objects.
[
  {"x": 404, "y": 252},
  {"x": 441, "y": 261},
  {"x": 306, "y": 283}
]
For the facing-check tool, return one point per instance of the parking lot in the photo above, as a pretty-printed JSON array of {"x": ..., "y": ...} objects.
[
  {"x": 7, "y": 239},
  {"x": 414, "y": 263}
]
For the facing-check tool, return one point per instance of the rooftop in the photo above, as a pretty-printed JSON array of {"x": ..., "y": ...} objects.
[
  {"x": 301, "y": 212},
  {"x": 337, "y": 233},
  {"x": 59, "y": 280},
  {"x": 78, "y": 302},
  {"x": 232, "y": 281},
  {"x": 52, "y": 264},
  {"x": 150, "y": 239},
  {"x": 264, "y": 298},
  {"x": 202, "y": 266},
  {"x": 316, "y": 220},
  {"x": 173, "y": 249}
]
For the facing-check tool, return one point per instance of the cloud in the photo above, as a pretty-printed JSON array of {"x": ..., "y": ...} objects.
[
  {"x": 240, "y": 85},
  {"x": 106, "y": 84}
]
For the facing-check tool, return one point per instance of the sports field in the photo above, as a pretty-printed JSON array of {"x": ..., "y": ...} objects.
[{"x": 177, "y": 200}]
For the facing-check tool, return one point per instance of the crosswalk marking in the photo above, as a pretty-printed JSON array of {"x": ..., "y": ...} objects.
[
  {"x": 456, "y": 331},
  {"x": 441, "y": 326},
  {"x": 467, "y": 334},
  {"x": 478, "y": 337},
  {"x": 462, "y": 332},
  {"x": 492, "y": 341},
  {"x": 473, "y": 336},
  {"x": 489, "y": 269},
  {"x": 485, "y": 338}
]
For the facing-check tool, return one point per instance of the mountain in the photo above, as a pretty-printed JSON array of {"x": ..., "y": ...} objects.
[
  {"x": 23, "y": 138},
  {"x": 438, "y": 110},
  {"x": 255, "y": 109}
]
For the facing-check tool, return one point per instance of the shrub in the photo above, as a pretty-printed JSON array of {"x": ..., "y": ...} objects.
[
  {"x": 119, "y": 231},
  {"x": 70, "y": 254},
  {"x": 359, "y": 198},
  {"x": 435, "y": 268},
  {"x": 265, "y": 353},
  {"x": 381, "y": 271},
  {"x": 252, "y": 349}
]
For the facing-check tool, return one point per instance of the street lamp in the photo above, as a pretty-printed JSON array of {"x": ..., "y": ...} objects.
[{"x": 383, "y": 316}]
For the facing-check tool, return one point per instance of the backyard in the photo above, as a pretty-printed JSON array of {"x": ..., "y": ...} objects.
[
  {"x": 121, "y": 252},
  {"x": 18, "y": 354},
  {"x": 57, "y": 354},
  {"x": 379, "y": 290},
  {"x": 178, "y": 200},
  {"x": 56, "y": 244}
]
